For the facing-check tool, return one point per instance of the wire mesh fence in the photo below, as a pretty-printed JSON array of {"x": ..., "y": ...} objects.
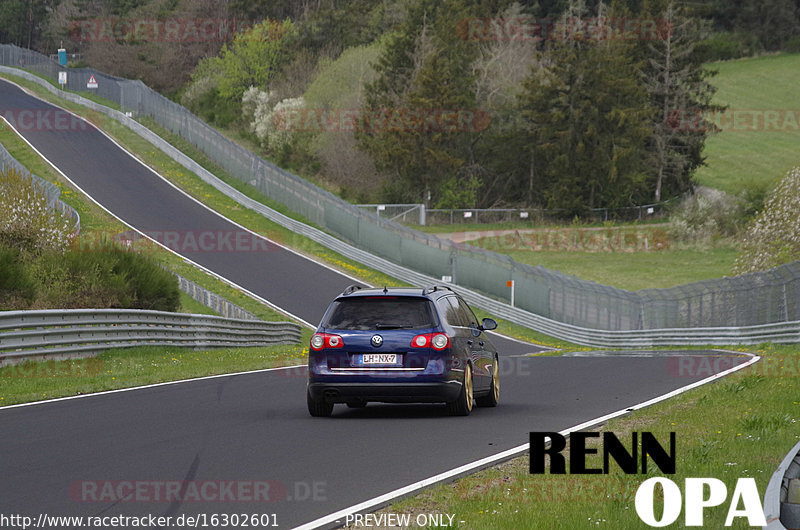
[
  {"x": 534, "y": 216},
  {"x": 757, "y": 298}
]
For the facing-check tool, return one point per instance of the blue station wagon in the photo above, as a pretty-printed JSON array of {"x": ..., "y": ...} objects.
[{"x": 402, "y": 345}]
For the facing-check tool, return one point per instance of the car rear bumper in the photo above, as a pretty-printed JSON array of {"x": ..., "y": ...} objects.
[{"x": 433, "y": 392}]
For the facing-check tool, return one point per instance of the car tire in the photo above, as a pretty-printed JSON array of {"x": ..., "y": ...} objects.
[
  {"x": 319, "y": 408},
  {"x": 493, "y": 397},
  {"x": 462, "y": 406}
]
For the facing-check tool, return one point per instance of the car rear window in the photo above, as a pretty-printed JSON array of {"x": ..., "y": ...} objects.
[{"x": 376, "y": 313}]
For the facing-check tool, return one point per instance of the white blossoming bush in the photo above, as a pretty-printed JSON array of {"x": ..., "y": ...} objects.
[
  {"x": 268, "y": 120},
  {"x": 26, "y": 221},
  {"x": 773, "y": 237},
  {"x": 705, "y": 216}
]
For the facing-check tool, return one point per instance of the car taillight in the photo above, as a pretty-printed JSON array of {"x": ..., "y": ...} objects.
[
  {"x": 437, "y": 341},
  {"x": 325, "y": 340}
]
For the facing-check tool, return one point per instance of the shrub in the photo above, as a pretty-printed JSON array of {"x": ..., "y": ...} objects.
[
  {"x": 773, "y": 237},
  {"x": 268, "y": 120},
  {"x": 27, "y": 223},
  {"x": 16, "y": 287},
  {"x": 150, "y": 286},
  {"x": 106, "y": 277},
  {"x": 707, "y": 215}
]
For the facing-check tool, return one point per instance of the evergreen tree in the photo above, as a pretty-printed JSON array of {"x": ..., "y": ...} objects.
[
  {"x": 424, "y": 76},
  {"x": 680, "y": 93},
  {"x": 588, "y": 122}
]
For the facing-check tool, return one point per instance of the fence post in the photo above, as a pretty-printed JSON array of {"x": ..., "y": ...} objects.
[{"x": 785, "y": 304}]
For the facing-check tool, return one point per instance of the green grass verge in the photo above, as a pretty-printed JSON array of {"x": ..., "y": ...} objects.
[
  {"x": 124, "y": 368},
  {"x": 739, "y": 158},
  {"x": 190, "y": 305},
  {"x": 740, "y": 426}
]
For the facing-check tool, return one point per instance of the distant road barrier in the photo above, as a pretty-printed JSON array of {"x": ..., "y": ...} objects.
[
  {"x": 62, "y": 333},
  {"x": 212, "y": 300}
]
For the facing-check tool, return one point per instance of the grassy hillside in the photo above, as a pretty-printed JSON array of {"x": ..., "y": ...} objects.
[{"x": 752, "y": 153}]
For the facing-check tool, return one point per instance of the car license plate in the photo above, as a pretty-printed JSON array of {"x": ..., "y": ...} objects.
[{"x": 378, "y": 358}]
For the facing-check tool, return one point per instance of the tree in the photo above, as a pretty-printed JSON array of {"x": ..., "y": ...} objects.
[
  {"x": 21, "y": 21},
  {"x": 680, "y": 93},
  {"x": 12, "y": 22},
  {"x": 254, "y": 57},
  {"x": 588, "y": 122},
  {"x": 424, "y": 74},
  {"x": 499, "y": 69}
]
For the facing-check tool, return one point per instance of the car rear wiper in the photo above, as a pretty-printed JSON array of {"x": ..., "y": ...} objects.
[{"x": 389, "y": 326}]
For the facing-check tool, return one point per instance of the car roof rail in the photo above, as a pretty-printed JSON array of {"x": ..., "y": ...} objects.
[
  {"x": 434, "y": 288},
  {"x": 350, "y": 290}
]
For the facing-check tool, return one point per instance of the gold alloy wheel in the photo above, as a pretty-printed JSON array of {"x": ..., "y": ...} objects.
[{"x": 468, "y": 387}]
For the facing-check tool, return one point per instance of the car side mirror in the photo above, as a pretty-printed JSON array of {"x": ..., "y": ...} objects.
[{"x": 488, "y": 324}]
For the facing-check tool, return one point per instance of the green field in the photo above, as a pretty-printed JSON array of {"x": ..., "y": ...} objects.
[
  {"x": 636, "y": 270},
  {"x": 754, "y": 152}
]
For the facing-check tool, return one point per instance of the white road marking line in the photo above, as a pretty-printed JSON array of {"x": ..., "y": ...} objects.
[{"x": 154, "y": 385}]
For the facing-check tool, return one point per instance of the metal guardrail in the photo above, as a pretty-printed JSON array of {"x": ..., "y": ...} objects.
[
  {"x": 56, "y": 333},
  {"x": 212, "y": 300},
  {"x": 783, "y": 332},
  {"x": 780, "y": 511}
]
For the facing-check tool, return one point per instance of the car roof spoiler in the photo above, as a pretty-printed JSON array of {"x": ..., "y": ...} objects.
[
  {"x": 350, "y": 290},
  {"x": 434, "y": 288}
]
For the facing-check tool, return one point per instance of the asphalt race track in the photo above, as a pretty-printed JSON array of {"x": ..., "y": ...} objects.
[{"x": 235, "y": 433}]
